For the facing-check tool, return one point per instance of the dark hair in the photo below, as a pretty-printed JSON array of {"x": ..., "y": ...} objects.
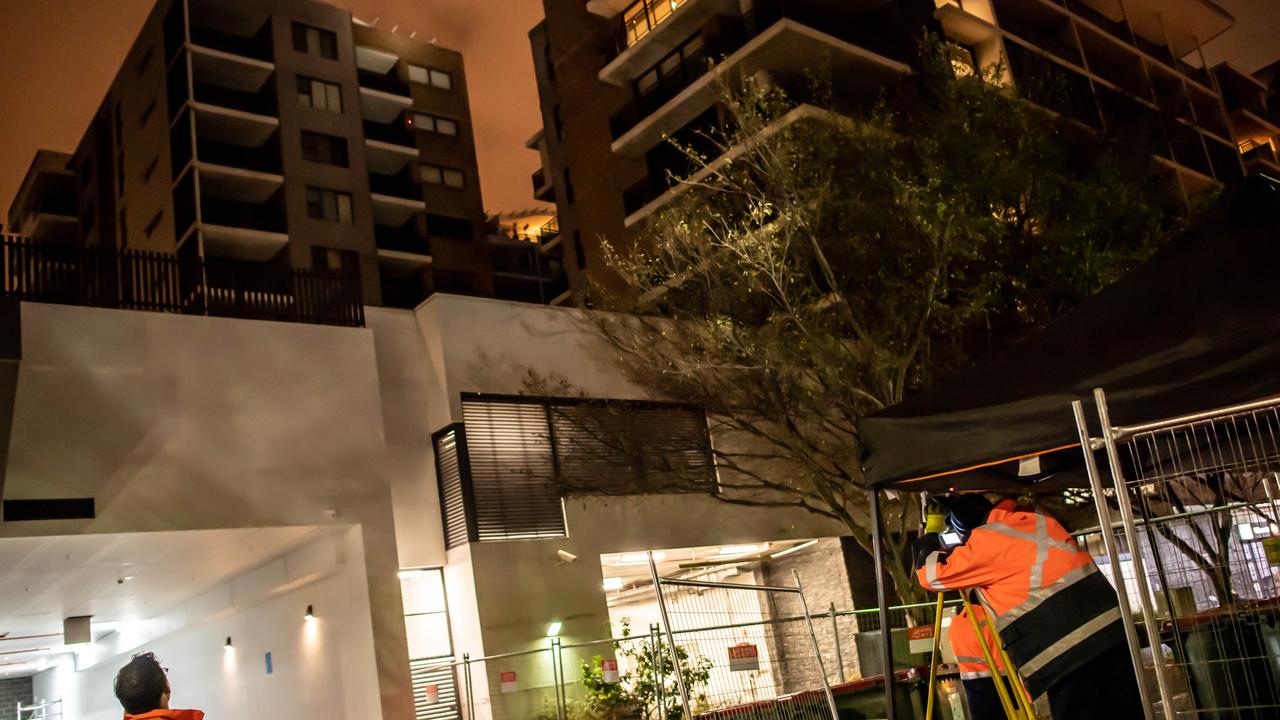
[{"x": 140, "y": 684}]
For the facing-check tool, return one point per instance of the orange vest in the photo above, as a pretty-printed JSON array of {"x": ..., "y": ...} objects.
[
  {"x": 1054, "y": 610},
  {"x": 167, "y": 715},
  {"x": 964, "y": 643}
]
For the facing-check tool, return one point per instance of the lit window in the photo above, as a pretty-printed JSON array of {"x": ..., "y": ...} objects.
[{"x": 436, "y": 175}]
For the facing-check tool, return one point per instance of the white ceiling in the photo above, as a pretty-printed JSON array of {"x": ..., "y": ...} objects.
[{"x": 45, "y": 579}]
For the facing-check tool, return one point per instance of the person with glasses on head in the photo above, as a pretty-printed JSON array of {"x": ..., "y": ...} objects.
[{"x": 142, "y": 687}]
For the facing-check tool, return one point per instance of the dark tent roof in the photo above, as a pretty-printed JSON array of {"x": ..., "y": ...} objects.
[{"x": 1196, "y": 327}]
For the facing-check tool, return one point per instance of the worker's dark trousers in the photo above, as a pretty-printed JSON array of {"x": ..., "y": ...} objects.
[
  {"x": 984, "y": 703},
  {"x": 1105, "y": 687}
]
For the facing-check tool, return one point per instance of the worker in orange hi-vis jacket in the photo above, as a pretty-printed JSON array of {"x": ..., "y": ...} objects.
[
  {"x": 1057, "y": 615},
  {"x": 975, "y": 675}
]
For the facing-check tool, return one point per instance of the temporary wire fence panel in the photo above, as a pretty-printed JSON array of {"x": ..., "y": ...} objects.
[
  {"x": 1204, "y": 496},
  {"x": 747, "y": 650}
]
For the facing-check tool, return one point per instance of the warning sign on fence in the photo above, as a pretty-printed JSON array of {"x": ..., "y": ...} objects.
[
  {"x": 508, "y": 680},
  {"x": 433, "y": 694},
  {"x": 743, "y": 657},
  {"x": 610, "y": 670},
  {"x": 920, "y": 639}
]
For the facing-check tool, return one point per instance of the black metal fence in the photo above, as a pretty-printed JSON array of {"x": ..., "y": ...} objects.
[{"x": 164, "y": 282}]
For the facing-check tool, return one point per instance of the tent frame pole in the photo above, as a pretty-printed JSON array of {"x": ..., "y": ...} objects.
[
  {"x": 882, "y": 599},
  {"x": 1110, "y": 543}
]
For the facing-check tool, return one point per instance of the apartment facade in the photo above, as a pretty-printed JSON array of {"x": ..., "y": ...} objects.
[
  {"x": 1253, "y": 106},
  {"x": 616, "y": 77},
  {"x": 282, "y": 133}
]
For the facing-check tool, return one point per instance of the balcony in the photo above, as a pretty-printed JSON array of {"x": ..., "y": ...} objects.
[
  {"x": 400, "y": 185},
  {"x": 187, "y": 284},
  {"x": 398, "y": 204},
  {"x": 382, "y": 106},
  {"x": 958, "y": 23},
  {"x": 1040, "y": 25},
  {"x": 233, "y": 227},
  {"x": 389, "y": 147},
  {"x": 1115, "y": 27},
  {"x": 786, "y": 48},
  {"x": 234, "y": 127},
  {"x": 542, "y": 188},
  {"x": 261, "y": 103},
  {"x": 653, "y": 28},
  {"x": 1260, "y": 157},
  {"x": 227, "y": 70}
]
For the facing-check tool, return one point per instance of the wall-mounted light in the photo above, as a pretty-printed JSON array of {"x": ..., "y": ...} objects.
[
  {"x": 228, "y": 646},
  {"x": 311, "y": 614},
  {"x": 613, "y": 583},
  {"x": 553, "y": 630}
]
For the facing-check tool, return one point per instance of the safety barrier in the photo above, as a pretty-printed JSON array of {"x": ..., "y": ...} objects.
[{"x": 1197, "y": 545}]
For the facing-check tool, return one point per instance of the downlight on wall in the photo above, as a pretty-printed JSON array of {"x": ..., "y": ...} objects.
[{"x": 311, "y": 614}]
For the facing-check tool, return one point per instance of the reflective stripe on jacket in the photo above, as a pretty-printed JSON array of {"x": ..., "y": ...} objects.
[
  {"x": 964, "y": 643},
  {"x": 1054, "y": 610}
]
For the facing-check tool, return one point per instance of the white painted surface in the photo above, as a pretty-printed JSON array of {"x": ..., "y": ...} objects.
[{"x": 321, "y": 669}]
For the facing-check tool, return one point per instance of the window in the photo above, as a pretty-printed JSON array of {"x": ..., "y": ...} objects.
[
  {"x": 319, "y": 94},
  {"x": 559, "y": 125},
  {"x": 568, "y": 186},
  {"x": 314, "y": 41},
  {"x": 328, "y": 205},
  {"x": 681, "y": 66},
  {"x": 434, "y": 124},
  {"x": 430, "y": 76},
  {"x": 324, "y": 149},
  {"x": 503, "y": 470},
  {"x": 436, "y": 175},
  {"x": 323, "y": 258},
  {"x": 146, "y": 113}
]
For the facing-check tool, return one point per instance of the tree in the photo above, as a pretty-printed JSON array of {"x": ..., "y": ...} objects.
[
  {"x": 816, "y": 266},
  {"x": 649, "y": 688}
]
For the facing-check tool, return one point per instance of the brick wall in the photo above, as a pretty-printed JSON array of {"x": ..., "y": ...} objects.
[
  {"x": 825, "y": 580},
  {"x": 13, "y": 691}
]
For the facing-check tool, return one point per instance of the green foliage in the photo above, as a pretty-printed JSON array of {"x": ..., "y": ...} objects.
[
  {"x": 835, "y": 259},
  {"x": 648, "y": 689}
]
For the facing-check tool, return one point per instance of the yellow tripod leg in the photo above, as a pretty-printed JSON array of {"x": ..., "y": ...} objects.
[
  {"x": 1019, "y": 688},
  {"x": 1010, "y": 711},
  {"x": 933, "y": 660}
]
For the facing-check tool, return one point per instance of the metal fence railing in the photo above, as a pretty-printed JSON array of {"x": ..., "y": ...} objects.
[
  {"x": 1197, "y": 546},
  {"x": 164, "y": 282}
]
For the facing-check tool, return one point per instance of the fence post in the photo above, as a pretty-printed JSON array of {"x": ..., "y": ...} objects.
[
  {"x": 886, "y": 632},
  {"x": 671, "y": 638},
  {"x": 835, "y": 635},
  {"x": 556, "y": 671},
  {"x": 659, "y": 684},
  {"x": 466, "y": 685},
  {"x": 817, "y": 649},
  {"x": 1135, "y": 551}
]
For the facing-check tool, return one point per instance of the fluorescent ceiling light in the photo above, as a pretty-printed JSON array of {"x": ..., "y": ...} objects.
[
  {"x": 553, "y": 629},
  {"x": 637, "y": 558},
  {"x": 613, "y": 583},
  {"x": 793, "y": 548},
  {"x": 741, "y": 549}
]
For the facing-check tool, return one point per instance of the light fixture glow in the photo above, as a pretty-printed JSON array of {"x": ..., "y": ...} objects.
[
  {"x": 613, "y": 583},
  {"x": 228, "y": 646},
  {"x": 637, "y": 558},
  {"x": 740, "y": 549},
  {"x": 553, "y": 630},
  {"x": 311, "y": 614}
]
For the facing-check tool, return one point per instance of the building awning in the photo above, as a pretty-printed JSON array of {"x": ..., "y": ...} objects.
[{"x": 1197, "y": 326}]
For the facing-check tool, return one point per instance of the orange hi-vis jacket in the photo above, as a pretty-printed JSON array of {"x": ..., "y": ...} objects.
[
  {"x": 167, "y": 715},
  {"x": 964, "y": 643},
  {"x": 1054, "y": 610}
]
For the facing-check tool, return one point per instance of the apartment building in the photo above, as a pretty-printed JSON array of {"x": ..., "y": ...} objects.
[
  {"x": 1253, "y": 106},
  {"x": 281, "y": 133},
  {"x": 616, "y": 77}
]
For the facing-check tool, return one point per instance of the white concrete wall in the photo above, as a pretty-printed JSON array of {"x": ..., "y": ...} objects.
[
  {"x": 174, "y": 422},
  {"x": 320, "y": 669}
]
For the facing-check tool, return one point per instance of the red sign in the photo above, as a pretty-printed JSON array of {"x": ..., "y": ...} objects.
[
  {"x": 610, "y": 670},
  {"x": 433, "y": 694},
  {"x": 920, "y": 639},
  {"x": 508, "y": 680},
  {"x": 744, "y": 657}
]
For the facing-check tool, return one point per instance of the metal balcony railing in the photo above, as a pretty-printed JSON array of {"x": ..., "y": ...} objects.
[{"x": 163, "y": 282}]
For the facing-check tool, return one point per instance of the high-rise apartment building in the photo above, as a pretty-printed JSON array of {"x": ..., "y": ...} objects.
[
  {"x": 617, "y": 77},
  {"x": 279, "y": 132},
  {"x": 1253, "y": 105}
]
